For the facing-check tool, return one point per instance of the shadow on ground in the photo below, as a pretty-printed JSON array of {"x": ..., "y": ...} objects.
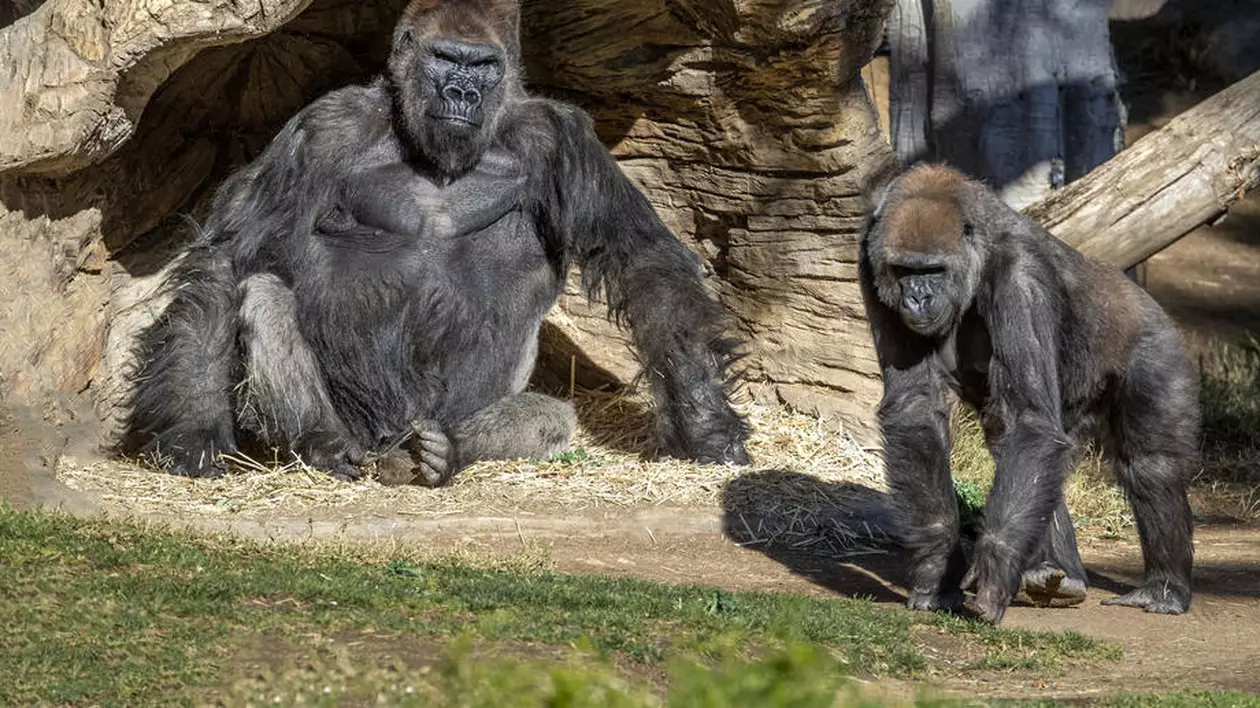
[
  {"x": 839, "y": 536},
  {"x": 846, "y": 542}
]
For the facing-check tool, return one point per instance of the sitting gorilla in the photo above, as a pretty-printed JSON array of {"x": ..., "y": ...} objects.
[{"x": 374, "y": 283}]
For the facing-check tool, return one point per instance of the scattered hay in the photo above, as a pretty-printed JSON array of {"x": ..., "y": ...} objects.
[{"x": 811, "y": 484}]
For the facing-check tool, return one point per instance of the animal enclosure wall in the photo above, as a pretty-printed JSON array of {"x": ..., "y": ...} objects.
[{"x": 743, "y": 120}]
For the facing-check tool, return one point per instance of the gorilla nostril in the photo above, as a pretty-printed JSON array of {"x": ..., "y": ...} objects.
[{"x": 462, "y": 94}]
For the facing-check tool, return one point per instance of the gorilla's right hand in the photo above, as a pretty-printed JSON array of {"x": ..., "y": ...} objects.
[{"x": 425, "y": 457}]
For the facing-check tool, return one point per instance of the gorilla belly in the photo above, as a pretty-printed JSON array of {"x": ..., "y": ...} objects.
[{"x": 431, "y": 328}]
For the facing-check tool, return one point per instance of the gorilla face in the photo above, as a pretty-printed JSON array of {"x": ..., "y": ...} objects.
[
  {"x": 926, "y": 302},
  {"x": 924, "y": 251},
  {"x": 460, "y": 83},
  {"x": 448, "y": 96}
]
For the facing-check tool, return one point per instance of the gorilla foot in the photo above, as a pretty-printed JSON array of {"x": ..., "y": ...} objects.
[
  {"x": 948, "y": 601},
  {"x": 1048, "y": 586},
  {"x": 200, "y": 466},
  {"x": 1159, "y": 596},
  {"x": 991, "y": 599},
  {"x": 196, "y": 459},
  {"x": 340, "y": 458},
  {"x": 424, "y": 457}
]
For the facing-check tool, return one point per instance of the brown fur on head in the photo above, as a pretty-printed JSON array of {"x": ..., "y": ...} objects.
[
  {"x": 924, "y": 255},
  {"x": 927, "y": 217},
  {"x": 454, "y": 73}
]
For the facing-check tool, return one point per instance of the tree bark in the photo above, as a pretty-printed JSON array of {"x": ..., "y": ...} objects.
[
  {"x": 1164, "y": 185},
  {"x": 748, "y": 127}
]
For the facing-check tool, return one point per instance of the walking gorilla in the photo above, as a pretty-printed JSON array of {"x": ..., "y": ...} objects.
[
  {"x": 964, "y": 293},
  {"x": 376, "y": 279}
]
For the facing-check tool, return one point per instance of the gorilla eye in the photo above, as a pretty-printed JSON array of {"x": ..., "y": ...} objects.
[
  {"x": 900, "y": 271},
  {"x": 968, "y": 229}
]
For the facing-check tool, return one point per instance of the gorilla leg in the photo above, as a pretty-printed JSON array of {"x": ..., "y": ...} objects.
[
  {"x": 914, "y": 415},
  {"x": 1157, "y": 432},
  {"x": 523, "y": 425},
  {"x": 181, "y": 417},
  {"x": 283, "y": 398},
  {"x": 1057, "y": 576}
]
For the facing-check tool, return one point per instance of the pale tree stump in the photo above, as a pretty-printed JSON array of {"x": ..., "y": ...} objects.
[{"x": 748, "y": 127}]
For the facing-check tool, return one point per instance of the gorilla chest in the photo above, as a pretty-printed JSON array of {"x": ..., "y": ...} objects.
[
  {"x": 495, "y": 274},
  {"x": 967, "y": 357}
]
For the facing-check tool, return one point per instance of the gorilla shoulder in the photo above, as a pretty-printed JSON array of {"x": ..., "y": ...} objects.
[{"x": 342, "y": 125}]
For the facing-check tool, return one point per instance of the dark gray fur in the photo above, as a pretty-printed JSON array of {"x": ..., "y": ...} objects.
[
  {"x": 376, "y": 280},
  {"x": 1051, "y": 348}
]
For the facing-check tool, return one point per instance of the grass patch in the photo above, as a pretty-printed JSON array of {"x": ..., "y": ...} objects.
[
  {"x": 1176, "y": 699},
  {"x": 800, "y": 675},
  {"x": 1230, "y": 393},
  {"x": 1186, "y": 699},
  {"x": 112, "y": 613}
]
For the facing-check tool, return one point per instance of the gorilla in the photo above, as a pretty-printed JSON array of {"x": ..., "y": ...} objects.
[
  {"x": 371, "y": 287},
  {"x": 1051, "y": 348}
]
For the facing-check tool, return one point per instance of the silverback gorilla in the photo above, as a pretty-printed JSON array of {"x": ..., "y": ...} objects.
[
  {"x": 375, "y": 281},
  {"x": 964, "y": 293}
]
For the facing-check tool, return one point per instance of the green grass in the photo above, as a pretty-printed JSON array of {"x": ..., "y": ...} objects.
[
  {"x": 1177, "y": 699},
  {"x": 1230, "y": 393},
  {"x": 113, "y": 614}
]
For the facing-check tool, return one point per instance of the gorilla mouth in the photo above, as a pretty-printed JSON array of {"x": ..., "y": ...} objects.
[
  {"x": 926, "y": 326},
  {"x": 455, "y": 118}
]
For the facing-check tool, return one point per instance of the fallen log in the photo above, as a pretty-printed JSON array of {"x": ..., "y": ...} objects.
[{"x": 1165, "y": 185}]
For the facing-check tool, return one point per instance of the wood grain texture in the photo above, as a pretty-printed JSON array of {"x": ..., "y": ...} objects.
[
  {"x": 746, "y": 124},
  {"x": 1166, "y": 184}
]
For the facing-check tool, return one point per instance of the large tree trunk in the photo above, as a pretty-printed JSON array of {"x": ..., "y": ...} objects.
[
  {"x": 747, "y": 126},
  {"x": 743, "y": 120}
]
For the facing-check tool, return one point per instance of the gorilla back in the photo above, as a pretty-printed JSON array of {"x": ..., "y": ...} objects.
[{"x": 375, "y": 280}]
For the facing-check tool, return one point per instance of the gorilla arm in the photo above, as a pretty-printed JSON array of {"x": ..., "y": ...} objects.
[
  {"x": 1032, "y": 452},
  {"x": 651, "y": 281},
  {"x": 182, "y": 406},
  {"x": 914, "y": 417}
]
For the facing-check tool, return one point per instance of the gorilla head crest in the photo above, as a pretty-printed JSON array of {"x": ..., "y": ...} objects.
[{"x": 453, "y": 68}]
